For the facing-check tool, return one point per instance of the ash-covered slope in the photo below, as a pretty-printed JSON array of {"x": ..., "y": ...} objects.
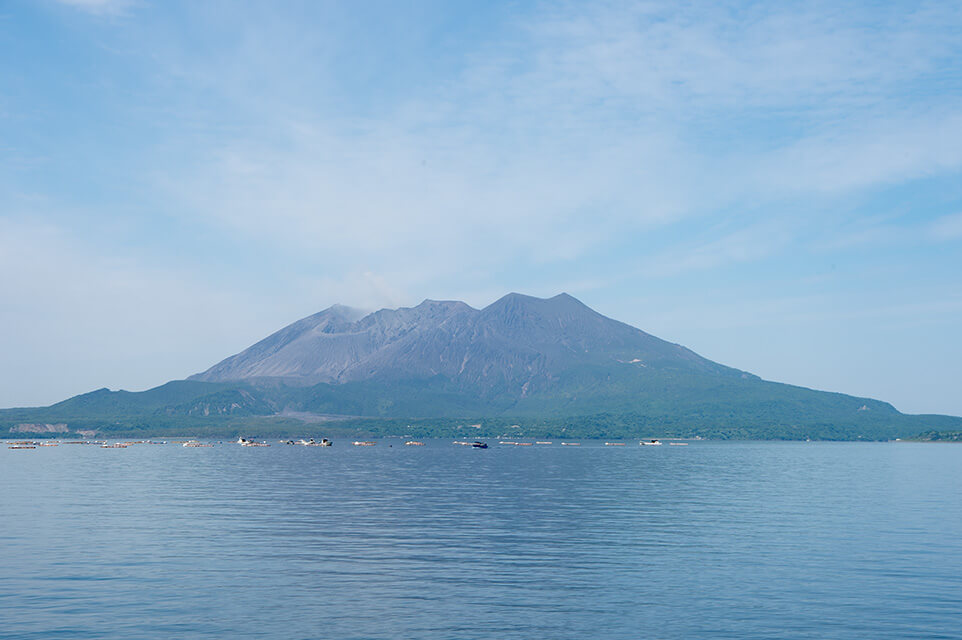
[
  {"x": 518, "y": 344},
  {"x": 336, "y": 345}
]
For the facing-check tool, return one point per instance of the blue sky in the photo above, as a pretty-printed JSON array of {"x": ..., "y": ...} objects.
[{"x": 777, "y": 186}]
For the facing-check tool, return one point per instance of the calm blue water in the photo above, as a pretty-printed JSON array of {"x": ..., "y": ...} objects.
[{"x": 713, "y": 540}]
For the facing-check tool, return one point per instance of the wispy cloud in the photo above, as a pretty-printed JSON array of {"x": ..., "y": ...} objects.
[
  {"x": 100, "y": 7},
  {"x": 589, "y": 123},
  {"x": 745, "y": 245},
  {"x": 947, "y": 227},
  {"x": 573, "y": 129}
]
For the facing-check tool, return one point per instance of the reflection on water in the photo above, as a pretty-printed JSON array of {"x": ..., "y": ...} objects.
[{"x": 722, "y": 540}]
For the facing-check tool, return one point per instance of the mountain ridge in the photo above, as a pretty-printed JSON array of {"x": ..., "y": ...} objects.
[
  {"x": 553, "y": 362},
  {"x": 451, "y": 338}
]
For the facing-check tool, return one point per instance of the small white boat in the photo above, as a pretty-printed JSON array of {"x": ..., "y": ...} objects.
[
  {"x": 311, "y": 443},
  {"x": 650, "y": 443},
  {"x": 244, "y": 442}
]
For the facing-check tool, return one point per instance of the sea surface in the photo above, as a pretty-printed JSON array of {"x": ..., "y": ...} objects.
[{"x": 711, "y": 540}]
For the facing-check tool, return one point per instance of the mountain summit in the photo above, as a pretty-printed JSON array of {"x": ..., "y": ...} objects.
[{"x": 518, "y": 343}]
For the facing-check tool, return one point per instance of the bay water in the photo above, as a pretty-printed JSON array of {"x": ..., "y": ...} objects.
[{"x": 711, "y": 540}]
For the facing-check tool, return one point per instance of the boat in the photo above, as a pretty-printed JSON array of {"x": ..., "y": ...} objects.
[
  {"x": 22, "y": 446},
  {"x": 477, "y": 444},
  {"x": 364, "y": 443},
  {"x": 413, "y": 443},
  {"x": 323, "y": 443},
  {"x": 614, "y": 444},
  {"x": 650, "y": 443},
  {"x": 194, "y": 443},
  {"x": 244, "y": 442},
  {"x": 570, "y": 444}
]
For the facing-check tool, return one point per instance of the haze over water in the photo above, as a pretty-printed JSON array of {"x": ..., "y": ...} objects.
[{"x": 718, "y": 540}]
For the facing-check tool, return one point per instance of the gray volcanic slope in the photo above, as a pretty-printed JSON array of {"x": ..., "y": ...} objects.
[{"x": 519, "y": 341}]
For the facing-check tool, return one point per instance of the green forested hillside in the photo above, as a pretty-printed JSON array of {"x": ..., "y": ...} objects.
[{"x": 633, "y": 406}]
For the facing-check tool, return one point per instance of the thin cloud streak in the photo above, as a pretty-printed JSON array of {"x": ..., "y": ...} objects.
[
  {"x": 947, "y": 227},
  {"x": 100, "y": 7}
]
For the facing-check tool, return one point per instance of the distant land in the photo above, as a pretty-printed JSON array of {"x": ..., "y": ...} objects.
[{"x": 521, "y": 366}]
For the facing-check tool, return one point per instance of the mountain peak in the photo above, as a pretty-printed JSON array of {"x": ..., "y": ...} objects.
[
  {"x": 559, "y": 309},
  {"x": 342, "y": 311},
  {"x": 567, "y": 297},
  {"x": 514, "y": 296},
  {"x": 454, "y": 305},
  {"x": 521, "y": 299},
  {"x": 519, "y": 340}
]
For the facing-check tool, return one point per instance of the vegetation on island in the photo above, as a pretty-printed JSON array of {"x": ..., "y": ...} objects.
[
  {"x": 752, "y": 410},
  {"x": 938, "y": 436}
]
